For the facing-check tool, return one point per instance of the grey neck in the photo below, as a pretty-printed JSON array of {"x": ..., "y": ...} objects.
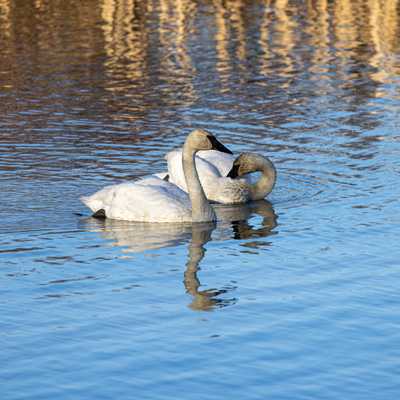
[
  {"x": 201, "y": 209},
  {"x": 266, "y": 182}
]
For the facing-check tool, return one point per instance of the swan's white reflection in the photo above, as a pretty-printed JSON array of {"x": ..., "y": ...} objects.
[{"x": 234, "y": 222}]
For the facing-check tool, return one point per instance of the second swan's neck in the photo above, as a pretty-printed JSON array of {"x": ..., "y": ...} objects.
[
  {"x": 266, "y": 182},
  {"x": 201, "y": 209}
]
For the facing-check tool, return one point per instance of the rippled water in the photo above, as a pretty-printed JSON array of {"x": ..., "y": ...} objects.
[{"x": 296, "y": 297}]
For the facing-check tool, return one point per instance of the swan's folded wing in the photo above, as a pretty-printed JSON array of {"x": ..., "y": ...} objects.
[
  {"x": 143, "y": 201},
  {"x": 206, "y": 171},
  {"x": 167, "y": 189},
  {"x": 221, "y": 161},
  {"x": 149, "y": 200},
  {"x": 100, "y": 199},
  {"x": 104, "y": 197}
]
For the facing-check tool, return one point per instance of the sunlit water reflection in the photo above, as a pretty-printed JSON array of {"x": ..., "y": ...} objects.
[{"x": 291, "y": 298}]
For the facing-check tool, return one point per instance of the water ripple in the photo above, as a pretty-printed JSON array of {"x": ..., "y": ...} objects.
[{"x": 301, "y": 289}]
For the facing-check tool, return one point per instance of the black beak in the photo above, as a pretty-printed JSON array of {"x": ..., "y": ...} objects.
[
  {"x": 233, "y": 173},
  {"x": 216, "y": 145}
]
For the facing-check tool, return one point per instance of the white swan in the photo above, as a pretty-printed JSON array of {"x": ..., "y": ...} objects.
[
  {"x": 155, "y": 200},
  {"x": 217, "y": 172}
]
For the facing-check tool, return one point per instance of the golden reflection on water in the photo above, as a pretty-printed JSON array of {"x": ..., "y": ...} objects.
[
  {"x": 144, "y": 38},
  {"x": 384, "y": 31},
  {"x": 5, "y": 17},
  {"x": 221, "y": 42},
  {"x": 286, "y": 29},
  {"x": 124, "y": 40},
  {"x": 318, "y": 29},
  {"x": 235, "y": 19}
]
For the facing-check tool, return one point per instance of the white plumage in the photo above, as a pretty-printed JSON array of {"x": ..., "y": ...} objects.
[{"x": 150, "y": 199}]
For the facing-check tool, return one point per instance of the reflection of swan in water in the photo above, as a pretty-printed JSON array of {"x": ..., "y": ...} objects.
[
  {"x": 136, "y": 237},
  {"x": 237, "y": 220},
  {"x": 202, "y": 299},
  {"x": 244, "y": 230},
  {"x": 236, "y": 223}
]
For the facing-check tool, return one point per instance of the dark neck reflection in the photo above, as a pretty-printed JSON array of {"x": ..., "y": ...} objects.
[{"x": 203, "y": 300}]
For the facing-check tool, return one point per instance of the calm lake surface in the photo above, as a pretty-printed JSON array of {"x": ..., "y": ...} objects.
[{"x": 296, "y": 297}]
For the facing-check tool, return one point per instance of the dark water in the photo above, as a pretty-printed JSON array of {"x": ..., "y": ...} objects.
[{"x": 297, "y": 299}]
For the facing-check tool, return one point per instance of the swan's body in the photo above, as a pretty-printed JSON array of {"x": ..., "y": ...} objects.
[
  {"x": 213, "y": 168},
  {"x": 155, "y": 200},
  {"x": 151, "y": 199}
]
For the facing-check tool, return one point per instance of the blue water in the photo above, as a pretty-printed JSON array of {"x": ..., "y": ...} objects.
[{"x": 296, "y": 299}]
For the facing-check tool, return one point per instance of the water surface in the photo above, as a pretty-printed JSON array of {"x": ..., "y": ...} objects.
[{"x": 295, "y": 297}]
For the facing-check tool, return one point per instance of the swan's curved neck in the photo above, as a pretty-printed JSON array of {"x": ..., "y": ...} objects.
[
  {"x": 201, "y": 209},
  {"x": 266, "y": 182}
]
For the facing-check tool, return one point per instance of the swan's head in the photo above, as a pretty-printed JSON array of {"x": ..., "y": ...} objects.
[
  {"x": 250, "y": 162},
  {"x": 200, "y": 139}
]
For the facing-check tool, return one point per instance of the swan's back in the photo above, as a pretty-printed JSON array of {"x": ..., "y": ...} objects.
[
  {"x": 221, "y": 161},
  {"x": 207, "y": 172},
  {"x": 148, "y": 200}
]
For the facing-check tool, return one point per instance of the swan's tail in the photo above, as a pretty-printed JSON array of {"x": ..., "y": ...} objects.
[
  {"x": 100, "y": 214},
  {"x": 92, "y": 203}
]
